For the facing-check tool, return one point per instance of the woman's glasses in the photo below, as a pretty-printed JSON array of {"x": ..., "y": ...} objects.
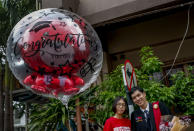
[{"x": 121, "y": 104}]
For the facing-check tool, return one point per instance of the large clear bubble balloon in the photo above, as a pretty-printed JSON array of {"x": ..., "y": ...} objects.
[{"x": 54, "y": 53}]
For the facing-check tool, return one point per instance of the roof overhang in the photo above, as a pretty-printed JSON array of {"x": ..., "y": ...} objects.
[
  {"x": 132, "y": 10},
  {"x": 24, "y": 95}
]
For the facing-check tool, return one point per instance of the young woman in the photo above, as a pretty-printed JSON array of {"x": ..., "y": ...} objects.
[{"x": 118, "y": 122}]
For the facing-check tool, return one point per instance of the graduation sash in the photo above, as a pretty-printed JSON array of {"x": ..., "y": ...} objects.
[{"x": 157, "y": 114}]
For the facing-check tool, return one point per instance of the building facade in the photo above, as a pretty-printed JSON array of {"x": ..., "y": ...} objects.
[{"x": 125, "y": 26}]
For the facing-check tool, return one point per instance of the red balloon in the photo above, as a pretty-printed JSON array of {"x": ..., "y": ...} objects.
[
  {"x": 54, "y": 47},
  {"x": 53, "y": 85},
  {"x": 57, "y": 49}
]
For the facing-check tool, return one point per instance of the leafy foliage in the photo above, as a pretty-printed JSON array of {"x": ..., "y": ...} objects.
[
  {"x": 154, "y": 90},
  {"x": 11, "y": 12},
  {"x": 47, "y": 116},
  {"x": 184, "y": 89},
  {"x": 150, "y": 63},
  {"x": 105, "y": 93},
  {"x": 179, "y": 95}
]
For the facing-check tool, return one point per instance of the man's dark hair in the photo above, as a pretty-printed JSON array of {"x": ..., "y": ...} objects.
[
  {"x": 136, "y": 88},
  {"x": 115, "y": 104}
]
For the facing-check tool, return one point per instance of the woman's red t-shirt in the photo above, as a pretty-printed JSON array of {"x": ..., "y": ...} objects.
[{"x": 115, "y": 124}]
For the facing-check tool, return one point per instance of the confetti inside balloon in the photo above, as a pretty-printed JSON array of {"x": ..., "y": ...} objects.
[{"x": 55, "y": 53}]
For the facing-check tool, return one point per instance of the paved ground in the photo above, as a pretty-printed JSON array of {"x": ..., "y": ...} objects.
[{"x": 191, "y": 128}]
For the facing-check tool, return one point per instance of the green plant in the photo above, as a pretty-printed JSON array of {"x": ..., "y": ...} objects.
[
  {"x": 155, "y": 90},
  {"x": 184, "y": 88},
  {"x": 180, "y": 95},
  {"x": 150, "y": 62},
  {"x": 46, "y": 117},
  {"x": 113, "y": 86},
  {"x": 105, "y": 93}
]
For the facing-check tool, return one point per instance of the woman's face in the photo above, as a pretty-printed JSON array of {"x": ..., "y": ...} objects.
[{"x": 120, "y": 107}]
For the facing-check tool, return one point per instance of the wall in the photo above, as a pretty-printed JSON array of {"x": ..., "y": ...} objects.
[
  {"x": 71, "y": 5},
  {"x": 51, "y": 3},
  {"x": 164, "y": 34},
  {"x": 89, "y": 7},
  {"x": 97, "y": 11}
]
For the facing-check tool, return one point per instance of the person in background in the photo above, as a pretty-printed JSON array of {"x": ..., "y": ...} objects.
[
  {"x": 147, "y": 116},
  {"x": 118, "y": 122}
]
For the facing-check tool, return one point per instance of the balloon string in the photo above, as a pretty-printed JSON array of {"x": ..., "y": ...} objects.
[
  {"x": 69, "y": 119},
  {"x": 88, "y": 102},
  {"x": 187, "y": 28}
]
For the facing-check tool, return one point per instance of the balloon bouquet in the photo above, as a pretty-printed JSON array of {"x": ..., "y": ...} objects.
[{"x": 54, "y": 53}]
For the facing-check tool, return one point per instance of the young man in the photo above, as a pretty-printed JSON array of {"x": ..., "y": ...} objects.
[{"x": 147, "y": 116}]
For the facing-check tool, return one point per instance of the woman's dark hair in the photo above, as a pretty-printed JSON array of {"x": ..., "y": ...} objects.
[{"x": 115, "y": 104}]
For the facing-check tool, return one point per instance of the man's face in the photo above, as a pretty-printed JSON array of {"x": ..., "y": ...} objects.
[{"x": 139, "y": 98}]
